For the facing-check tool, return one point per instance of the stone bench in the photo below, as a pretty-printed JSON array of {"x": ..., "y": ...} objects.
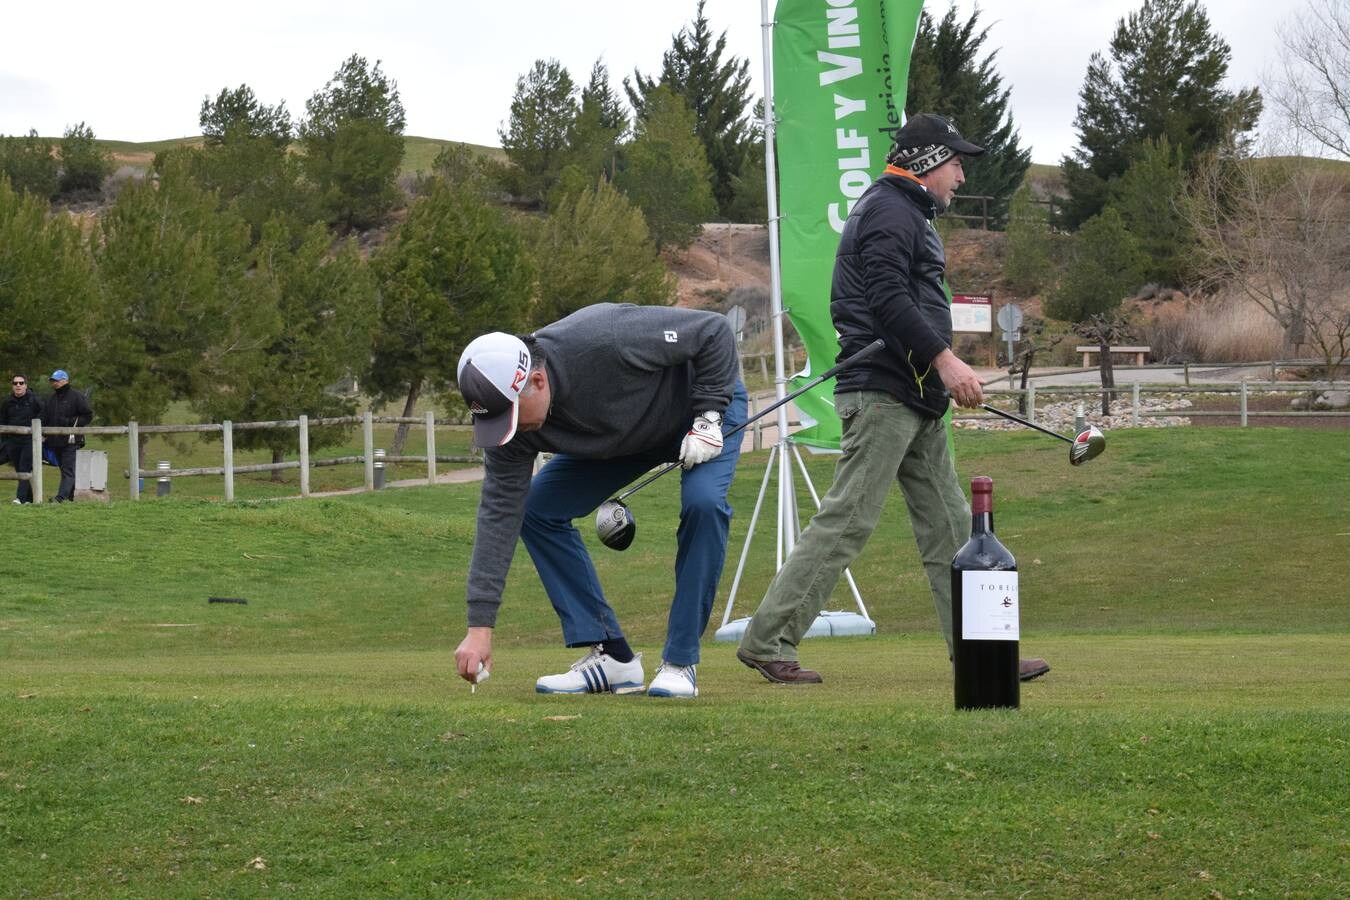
[{"x": 1089, "y": 350}]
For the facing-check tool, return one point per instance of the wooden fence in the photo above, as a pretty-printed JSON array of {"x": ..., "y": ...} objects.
[
  {"x": 228, "y": 469},
  {"x": 1244, "y": 389},
  {"x": 1136, "y": 391}
]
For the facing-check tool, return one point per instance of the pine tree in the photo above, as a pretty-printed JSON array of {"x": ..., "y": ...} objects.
[
  {"x": 1148, "y": 197},
  {"x": 1027, "y": 264},
  {"x": 1103, "y": 267},
  {"x": 593, "y": 248},
  {"x": 947, "y": 77},
  {"x": 535, "y": 139},
  {"x": 353, "y": 142},
  {"x": 665, "y": 172},
  {"x": 238, "y": 113},
  {"x": 717, "y": 92},
  {"x": 749, "y": 186},
  {"x": 247, "y": 163},
  {"x": 1164, "y": 77},
  {"x": 325, "y": 300},
  {"x": 594, "y": 136},
  {"x": 84, "y": 165},
  {"x": 30, "y": 164},
  {"x": 456, "y": 268},
  {"x": 176, "y": 305},
  {"x": 47, "y": 282}
]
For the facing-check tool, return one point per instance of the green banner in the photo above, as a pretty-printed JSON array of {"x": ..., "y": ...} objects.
[{"x": 840, "y": 69}]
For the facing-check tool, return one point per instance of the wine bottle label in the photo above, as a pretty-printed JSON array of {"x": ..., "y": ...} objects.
[{"x": 989, "y": 606}]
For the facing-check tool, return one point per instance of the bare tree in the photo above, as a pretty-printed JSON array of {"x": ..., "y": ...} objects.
[
  {"x": 1105, "y": 330},
  {"x": 1312, "y": 87},
  {"x": 1329, "y": 333},
  {"x": 1275, "y": 229},
  {"x": 1034, "y": 341}
]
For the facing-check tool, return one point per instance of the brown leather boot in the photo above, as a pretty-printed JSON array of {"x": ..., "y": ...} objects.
[
  {"x": 1029, "y": 669},
  {"x": 781, "y": 671}
]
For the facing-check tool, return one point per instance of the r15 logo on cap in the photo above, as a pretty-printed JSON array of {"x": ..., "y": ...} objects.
[
  {"x": 672, "y": 337},
  {"x": 522, "y": 370}
]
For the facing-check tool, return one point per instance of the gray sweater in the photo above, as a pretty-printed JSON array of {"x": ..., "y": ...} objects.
[{"x": 625, "y": 379}]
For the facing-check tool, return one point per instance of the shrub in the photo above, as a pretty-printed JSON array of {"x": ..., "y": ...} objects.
[
  {"x": 84, "y": 165},
  {"x": 30, "y": 164}
]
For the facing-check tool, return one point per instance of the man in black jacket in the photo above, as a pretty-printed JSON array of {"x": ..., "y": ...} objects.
[
  {"x": 20, "y": 408},
  {"x": 889, "y": 283},
  {"x": 66, "y": 408}
]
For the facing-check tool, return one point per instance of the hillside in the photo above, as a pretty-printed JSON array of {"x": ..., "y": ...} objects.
[
  {"x": 726, "y": 258},
  {"x": 134, "y": 159}
]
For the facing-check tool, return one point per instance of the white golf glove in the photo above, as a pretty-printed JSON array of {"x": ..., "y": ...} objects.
[{"x": 704, "y": 440}]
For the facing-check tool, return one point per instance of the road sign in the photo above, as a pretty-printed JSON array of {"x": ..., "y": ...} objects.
[
  {"x": 1010, "y": 317},
  {"x": 736, "y": 316}
]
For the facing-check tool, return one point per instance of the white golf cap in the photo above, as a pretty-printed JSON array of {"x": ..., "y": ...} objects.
[{"x": 492, "y": 372}]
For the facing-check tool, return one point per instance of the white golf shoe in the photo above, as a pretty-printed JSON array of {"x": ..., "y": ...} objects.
[
  {"x": 596, "y": 673},
  {"x": 674, "y": 681}
]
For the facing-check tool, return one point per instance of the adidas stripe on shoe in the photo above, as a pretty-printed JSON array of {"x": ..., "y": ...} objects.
[
  {"x": 596, "y": 673},
  {"x": 674, "y": 681}
]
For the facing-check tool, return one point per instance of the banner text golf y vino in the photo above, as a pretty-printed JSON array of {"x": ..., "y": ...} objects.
[{"x": 840, "y": 68}]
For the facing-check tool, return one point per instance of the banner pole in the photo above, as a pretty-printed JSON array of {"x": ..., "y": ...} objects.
[
  {"x": 771, "y": 177},
  {"x": 783, "y": 451},
  {"x": 786, "y": 488}
]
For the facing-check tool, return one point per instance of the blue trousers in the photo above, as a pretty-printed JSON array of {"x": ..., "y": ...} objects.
[{"x": 569, "y": 487}]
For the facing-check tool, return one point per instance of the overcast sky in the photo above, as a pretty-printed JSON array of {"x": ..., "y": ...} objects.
[{"x": 140, "y": 72}]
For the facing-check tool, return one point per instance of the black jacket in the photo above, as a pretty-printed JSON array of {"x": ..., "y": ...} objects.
[
  {"x": 888, "y": 284},
  {"x": 19, "y": 411},
  {"x": 66, "y": 408}
]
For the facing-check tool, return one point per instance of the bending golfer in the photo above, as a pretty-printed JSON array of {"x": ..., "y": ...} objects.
[
  {"x": 888, "y": 283},
  {"x": 612, "y": 390}
]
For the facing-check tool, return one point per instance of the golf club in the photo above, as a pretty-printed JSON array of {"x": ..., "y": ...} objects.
[
  {"x": 1084, "y": 445},
  {"x": 614, "y": 523}
]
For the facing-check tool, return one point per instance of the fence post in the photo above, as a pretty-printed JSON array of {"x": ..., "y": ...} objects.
[
  {"x": 35, "y": 477},
  {"x": 368, "y": 430},
  {"x": 1186, "y": 367},
  {"x": 227, "y": 431},
  {"x": 431, "y": 447},
  {"x": 134, "y": 457},
  {"x": 1243, "y": 402},
  {"x": 1031, "y": 402},
  {"x": 304, "y": 456},
  {"x": 1134, "y": 414}
]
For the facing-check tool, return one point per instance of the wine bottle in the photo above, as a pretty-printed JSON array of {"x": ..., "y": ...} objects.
[{"x": 985, "y": 611}]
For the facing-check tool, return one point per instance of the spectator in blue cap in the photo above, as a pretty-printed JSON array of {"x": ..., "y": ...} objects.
[{"x": 66, "y": 408}]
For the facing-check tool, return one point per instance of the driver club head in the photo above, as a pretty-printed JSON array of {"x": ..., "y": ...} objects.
[
  {"x": 614, "y": 524},
  {"x": 1087, "y": 444}
]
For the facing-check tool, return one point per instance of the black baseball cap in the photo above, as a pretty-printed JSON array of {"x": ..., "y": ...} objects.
[{"x": 929, "y": 128}]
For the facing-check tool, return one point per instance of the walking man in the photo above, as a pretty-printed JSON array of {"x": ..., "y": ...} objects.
[
  {"x": 612, "y": 391},
  {"x": 66, "y": 408},
  {"x": 888, "y": 283}
]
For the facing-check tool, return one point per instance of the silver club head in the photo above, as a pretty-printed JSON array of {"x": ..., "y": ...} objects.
[
  {"x": 1087, "y": 444},
  {"x": 614, "y": 524}
]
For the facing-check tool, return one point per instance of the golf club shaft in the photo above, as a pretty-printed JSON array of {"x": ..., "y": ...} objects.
[
  {"x": 822, "y": 377},
  {"x": 1019, "y": 420}
]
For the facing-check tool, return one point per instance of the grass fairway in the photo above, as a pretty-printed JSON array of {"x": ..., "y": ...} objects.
[{"x": 1191, "y": 739}]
